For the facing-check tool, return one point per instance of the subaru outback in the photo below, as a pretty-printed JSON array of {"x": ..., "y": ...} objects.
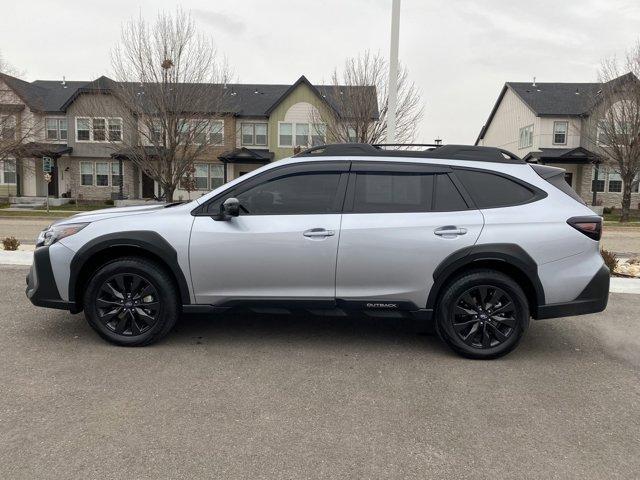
[{"x": 473, "y": 239}]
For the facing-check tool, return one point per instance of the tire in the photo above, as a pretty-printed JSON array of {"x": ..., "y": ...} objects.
[
  {"x": 131, "y": 302},
  {"x": 482, "y": 329}
]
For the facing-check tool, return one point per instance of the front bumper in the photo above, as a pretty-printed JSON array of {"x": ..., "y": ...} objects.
[
  {"x": 592, "y": 299},
  {"x": 41, "y": 285}
]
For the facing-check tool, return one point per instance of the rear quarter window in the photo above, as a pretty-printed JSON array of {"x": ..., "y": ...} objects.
[{"x": 489, "y": 190}]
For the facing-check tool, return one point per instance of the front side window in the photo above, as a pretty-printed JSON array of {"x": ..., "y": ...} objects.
[
  {"x": 86, "y": 173},
  {"x": 301, "y": 194},
  {"x": 560, "y": 132},
  {"x": 56, "y": 128},
  {"x": 9, "y": 172},
  {"x": 526, "y": 137},
  {"x": 615, "y": 182},
  {"x": 490, "y": 191},
  {"x": 285, "y": 135},
  {"x": 387, "y": 192},
  {"x": 302, "y": 134},
  {"x": 102, "y": 174}
]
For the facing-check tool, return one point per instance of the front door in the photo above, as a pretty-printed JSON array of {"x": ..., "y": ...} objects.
[
  {"x": 284, "y": 244},
  {"x": 397, "y": 226},
  {"x": 52, "y": 188},
  {"x": 148, "y": 186}
]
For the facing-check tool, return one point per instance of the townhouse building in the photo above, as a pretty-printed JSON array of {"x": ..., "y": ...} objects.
[
  {"x": 557, "y": 124},
  {"x": 57, "y": 131}
]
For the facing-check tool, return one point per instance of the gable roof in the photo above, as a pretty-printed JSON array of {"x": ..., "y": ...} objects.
[{"x": 551, "y": 99}]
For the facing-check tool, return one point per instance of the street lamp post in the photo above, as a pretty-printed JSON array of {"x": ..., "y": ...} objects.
[{"x": 393, "y": 72}]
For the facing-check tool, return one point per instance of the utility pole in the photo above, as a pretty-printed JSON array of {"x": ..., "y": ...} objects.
[{"x": 393, "y": 72}]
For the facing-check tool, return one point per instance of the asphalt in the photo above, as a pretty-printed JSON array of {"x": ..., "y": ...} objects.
[{"x": 299, "y": 397}]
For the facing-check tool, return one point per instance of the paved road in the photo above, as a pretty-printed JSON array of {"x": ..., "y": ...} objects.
[{"x": 309, "y": 398}]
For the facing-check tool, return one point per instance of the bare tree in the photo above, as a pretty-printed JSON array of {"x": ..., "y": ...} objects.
[
  {"x": 615, "y": 122},
  {"x": 359, "y": 94},
  {"x": 171, "y": 85}
]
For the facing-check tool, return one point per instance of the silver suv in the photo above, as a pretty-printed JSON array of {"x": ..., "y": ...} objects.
[{"x": 472, "y": 238}]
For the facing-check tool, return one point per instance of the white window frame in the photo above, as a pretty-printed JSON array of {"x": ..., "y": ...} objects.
[
  {"x": 602, "y": 172},
  {"x": 106, "y": 129},
  {"x": 525, "y": 141},
  {"x": 613, "y": 173},
  {"x": 57, "y": 129},
  {"x": 208, "y": 132},
  {"x": 221, "y": 132},
  {"x": 310, "y": 128},
  {"x": 566, "y": 132},
  {"x": 110, "y": 175},
  {"x": 254, "y": 135},
  {"x": 3, "y": 163},
  {"x": 208, "y": 187}
]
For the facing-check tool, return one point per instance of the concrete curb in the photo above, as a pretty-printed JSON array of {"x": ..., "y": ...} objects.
[{"x": 25, "y": 257}]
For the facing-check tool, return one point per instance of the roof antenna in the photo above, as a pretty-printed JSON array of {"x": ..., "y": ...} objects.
[
  {"x": 438, "y": 141},
  {"x": 64, "y": 82}
]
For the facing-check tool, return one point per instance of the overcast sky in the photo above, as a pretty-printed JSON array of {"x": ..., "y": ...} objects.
[{"x": 459, "y": 52}]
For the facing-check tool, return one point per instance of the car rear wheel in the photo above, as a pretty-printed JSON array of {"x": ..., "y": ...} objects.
[
  {"x": 483, "y": 314},
  {"x": 131, "y": 302}
]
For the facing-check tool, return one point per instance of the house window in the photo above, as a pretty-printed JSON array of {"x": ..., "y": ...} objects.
[
  {"x": 155, "y": 135},
  {"x": 216, "y": 174},
  {"x": 102, "y": 174},
  {"x": 318, "y": 134},
  {"x": 615, "y": 182},
  {"x": 351, "y": 135},
  {"x": 56, "y": 128},
  {"x": 597, "y": 184},
  {"x": 8, "y": 172},
  {"x": 8, "y": 127},
  {"x": 254, "y": 134},
  {"x": 116, "y": 175},
  {"x": 201, "y": 176},
  {"x": 216, "y": 133},
  {"x": 526, "y": 137},
  {"x": 560, "y": 133},
  {"x": 302, "y": 134},
  {"x": 95, "y": 129},
  {"x": 285, "y": 138},
  {"x": 199, "y": 132},
  {"x": 86, "y": 173}
]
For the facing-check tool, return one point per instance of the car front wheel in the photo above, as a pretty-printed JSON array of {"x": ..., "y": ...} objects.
[
  {"x": 483, "y": 314},
  {"x": 131, "y": 302}
]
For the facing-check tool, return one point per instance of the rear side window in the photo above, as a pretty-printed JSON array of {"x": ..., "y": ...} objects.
[
  {"x": 447, "y": 197},
  {"x": 555, "y": 176},
  {"x": 392, "y": 192},
  {"x": 490, "y": 191}
]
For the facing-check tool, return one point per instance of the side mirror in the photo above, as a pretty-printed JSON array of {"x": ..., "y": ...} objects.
[{"x": 230, "y": 208}]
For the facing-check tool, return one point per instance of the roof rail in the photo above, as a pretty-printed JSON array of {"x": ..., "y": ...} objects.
[{"x": 453, "y": 152}]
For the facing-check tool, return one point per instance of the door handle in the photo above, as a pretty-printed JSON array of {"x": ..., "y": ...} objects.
[
  {"x": 318, "y": 232},
  {"x": 450, "y": 231}
]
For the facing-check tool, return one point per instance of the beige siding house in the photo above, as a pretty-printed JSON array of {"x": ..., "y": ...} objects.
[{"x": 552, "y": 123}]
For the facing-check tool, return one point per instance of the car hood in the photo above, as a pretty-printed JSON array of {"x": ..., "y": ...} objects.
[{"x": 93, "y": 215}]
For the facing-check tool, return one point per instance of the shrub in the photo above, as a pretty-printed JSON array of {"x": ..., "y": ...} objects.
[
  {"x": 109, "y": 202},
  {"x": 607, "y": 210},
  {"x": 10, "y": 243},
  {"x": 72, "y": 202},
  {"x": 610, "y": 259}
]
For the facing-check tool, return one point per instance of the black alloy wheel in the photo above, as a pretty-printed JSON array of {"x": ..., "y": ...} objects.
[
  {"x": 484, "y": 316},
  {"x": 128, "y": 304}
]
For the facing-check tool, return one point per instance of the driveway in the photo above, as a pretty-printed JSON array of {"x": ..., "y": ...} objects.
[{"x": 297, "y": 397}]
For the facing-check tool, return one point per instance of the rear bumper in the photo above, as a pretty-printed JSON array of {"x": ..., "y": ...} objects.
[
  {"x": 41, "y": 285},
  {"x": 592, "y": 299}
]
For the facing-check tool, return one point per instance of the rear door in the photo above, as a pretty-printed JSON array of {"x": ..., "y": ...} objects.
[{"x": 399, "y": 222}]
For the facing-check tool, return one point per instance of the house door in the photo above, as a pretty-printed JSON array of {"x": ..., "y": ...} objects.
[
  {"x": 148, "y": 186},
  {"x": 52, "y": 188}
]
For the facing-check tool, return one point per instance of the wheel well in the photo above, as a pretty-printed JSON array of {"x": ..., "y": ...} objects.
[
  {"x": 520, "y": 277},
  {"x": 109, "y": 254}
]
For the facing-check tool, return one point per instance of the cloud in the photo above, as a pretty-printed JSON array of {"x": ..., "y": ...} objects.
[{"x": 221, "y": 21}]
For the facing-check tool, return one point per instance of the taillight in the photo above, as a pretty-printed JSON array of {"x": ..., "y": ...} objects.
[{"x": 590, "y": 226}]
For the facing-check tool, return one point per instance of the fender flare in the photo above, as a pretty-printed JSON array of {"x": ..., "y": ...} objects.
[
  {"x": 512, "y": 255},
  {"x": 147, "y": 241}
]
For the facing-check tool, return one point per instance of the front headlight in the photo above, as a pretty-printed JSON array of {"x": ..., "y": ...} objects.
[{"x": 57, "y": 232}]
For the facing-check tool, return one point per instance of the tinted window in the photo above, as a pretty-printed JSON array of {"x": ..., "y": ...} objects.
[
  {"x": 392, "y": 192},
  {"x": 447, "y": 198},
  {"x": 293, "y": 194},
  {"x": 489, "y": 190}
]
